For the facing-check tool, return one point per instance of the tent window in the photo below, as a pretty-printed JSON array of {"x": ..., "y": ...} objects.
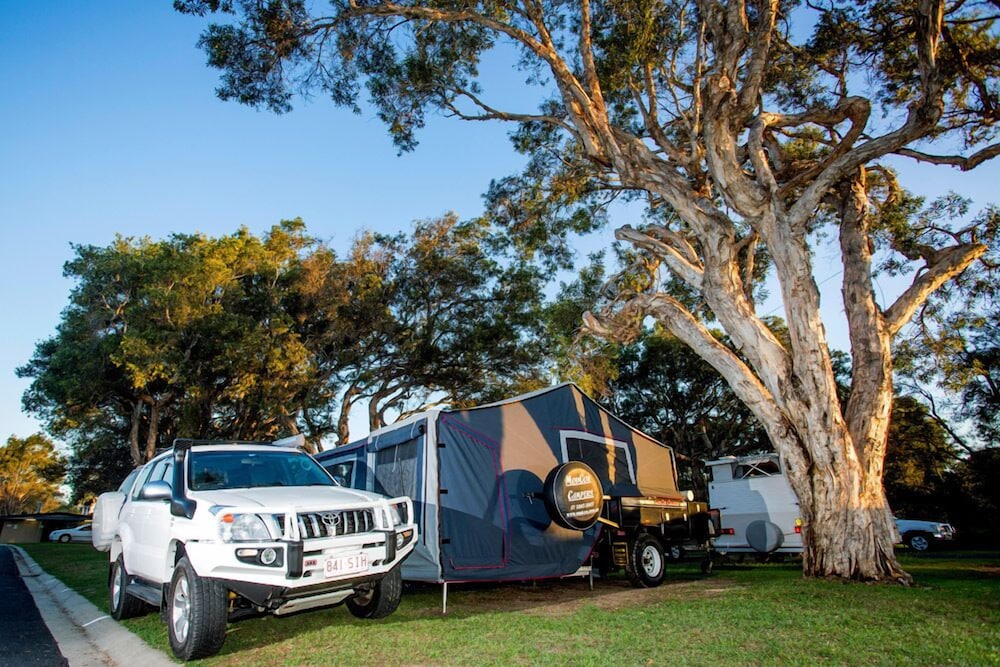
[
  {"x": 396, "y": 470},
  {"x": 610, "y": 459},
  {"x": 343, "y": 472}
]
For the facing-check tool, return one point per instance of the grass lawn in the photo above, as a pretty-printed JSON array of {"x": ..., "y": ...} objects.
[{"x": 746, "y": 615}]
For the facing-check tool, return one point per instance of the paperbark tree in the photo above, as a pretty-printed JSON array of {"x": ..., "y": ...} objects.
[{"x": 749, "y": 133}]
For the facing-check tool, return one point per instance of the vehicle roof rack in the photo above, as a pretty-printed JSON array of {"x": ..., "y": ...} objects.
[{"x": 298, "y": 440}]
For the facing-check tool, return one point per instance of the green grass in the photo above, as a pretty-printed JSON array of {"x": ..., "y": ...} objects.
[{"x": 753, "y": 615}]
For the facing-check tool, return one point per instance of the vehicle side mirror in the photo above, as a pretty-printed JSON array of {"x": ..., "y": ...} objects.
[{"x": 158, "y": 490}]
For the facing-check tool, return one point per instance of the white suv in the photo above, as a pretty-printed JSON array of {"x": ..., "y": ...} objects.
[{"x": 209, "y": 532}]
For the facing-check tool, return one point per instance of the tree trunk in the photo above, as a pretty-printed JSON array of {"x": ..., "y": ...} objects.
[
  {"x": 133, "y": 436},
  {"x": 848, "y": 530},
  {"x": 153, "y": 433},
  {"x": 343, "y": 420}
]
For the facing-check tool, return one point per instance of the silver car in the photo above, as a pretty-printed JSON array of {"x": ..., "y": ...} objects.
[{"x": 78, "y": 534}]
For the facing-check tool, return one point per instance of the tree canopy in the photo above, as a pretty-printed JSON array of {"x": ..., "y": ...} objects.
[
  {"x": 252, "y": 337},
  {"x": 31, "y": 471},
  {"x": 747, "y": 125}
]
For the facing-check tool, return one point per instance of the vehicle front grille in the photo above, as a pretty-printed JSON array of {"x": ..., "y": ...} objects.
[{"x": 333, "y": 523}]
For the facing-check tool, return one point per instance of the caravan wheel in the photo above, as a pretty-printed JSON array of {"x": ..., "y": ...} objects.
[{"x": 645, "y": 566}]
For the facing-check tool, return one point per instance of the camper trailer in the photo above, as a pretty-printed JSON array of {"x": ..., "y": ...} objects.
[
  {"x": 533, "y": 487},
  {"x": 758, "y": 511}
]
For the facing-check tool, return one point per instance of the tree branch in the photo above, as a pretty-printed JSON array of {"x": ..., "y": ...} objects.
[
  {"x": 673, "y": 249},
  {"x": 942, "y": 266},
  {"x": 963, "y": 163}
]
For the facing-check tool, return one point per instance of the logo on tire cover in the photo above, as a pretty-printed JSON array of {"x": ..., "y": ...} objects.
[
  {"x": 573, "y": 495},
  {"x": 329, "y": 519}
]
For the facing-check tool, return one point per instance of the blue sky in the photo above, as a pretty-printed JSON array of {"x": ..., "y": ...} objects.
[{"x": 111, "y": 125}]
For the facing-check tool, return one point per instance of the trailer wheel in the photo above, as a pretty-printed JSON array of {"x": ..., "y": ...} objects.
[
  {"x": 645, "y": 565},
  {"x": 674, "y": 553}
]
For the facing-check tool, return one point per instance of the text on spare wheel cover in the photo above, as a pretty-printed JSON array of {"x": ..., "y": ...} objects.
[{"x": 574, "y": 495}]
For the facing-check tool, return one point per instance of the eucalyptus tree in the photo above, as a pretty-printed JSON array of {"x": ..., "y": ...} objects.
[
  {"x": 440, "y": 317},
  {"x": 31, "y": 471},
  {"x": 753, "y": 122}
]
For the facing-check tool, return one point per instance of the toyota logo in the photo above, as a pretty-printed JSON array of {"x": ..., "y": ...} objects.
[{"x": 330, "y": 520}]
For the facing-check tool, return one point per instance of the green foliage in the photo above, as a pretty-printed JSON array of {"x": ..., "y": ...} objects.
[
  {"x": 973, "y": 497},
  {"x": 917, "y": 461},
  {"x": 252, "y": 338},
  {"x": 981, "y": 393},
  {"x": 184, "y": 335},
  {"x": 950, "y": 354},
  {"x": 31, "y": 471},
  {"x": 454, "y": 320}
]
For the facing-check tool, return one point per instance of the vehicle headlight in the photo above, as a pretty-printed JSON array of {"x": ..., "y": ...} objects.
[
  {"x": 243, "y": 528},
  {"x": 398, "y": 513}
]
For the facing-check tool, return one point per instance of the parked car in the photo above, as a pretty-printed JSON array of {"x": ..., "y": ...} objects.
[
  {"x": 78, "y": 534},
  {"x": 209, "y": 532},
  {"x": 922, "y": 535}
]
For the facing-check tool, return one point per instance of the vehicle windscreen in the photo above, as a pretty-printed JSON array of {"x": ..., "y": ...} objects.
[{"x": 211, "y": 471}]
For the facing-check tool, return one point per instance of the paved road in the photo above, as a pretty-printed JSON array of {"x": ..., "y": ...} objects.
[{"x": 25, "y": 641}]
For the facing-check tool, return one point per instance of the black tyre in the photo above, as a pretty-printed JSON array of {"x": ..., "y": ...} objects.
[
  {"x": 918, "y": 541},
  {"x": 64, "y": 538},
  {"x": 707, "y": 566},
  {"x": 196, "y": 613},
  {"x": 645, "y": 565},
  {"x": 381, "y": 600},
  {"x": 123, "y": 605}
]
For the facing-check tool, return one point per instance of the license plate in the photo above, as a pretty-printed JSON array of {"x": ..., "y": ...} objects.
[{"x": 338, "y": 566}]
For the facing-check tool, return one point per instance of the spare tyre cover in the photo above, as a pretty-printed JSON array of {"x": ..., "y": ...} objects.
[
  {"x": 106, "y": 513},
  {"x": 764, "y": 536},
  {"x": 573, "y": 495}
]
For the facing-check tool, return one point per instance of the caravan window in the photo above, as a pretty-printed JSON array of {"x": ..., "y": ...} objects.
[
  {"x": 761, "y": 468},
  {"x": 396, "y": 470},
  {"x": 610, "y": 459}
]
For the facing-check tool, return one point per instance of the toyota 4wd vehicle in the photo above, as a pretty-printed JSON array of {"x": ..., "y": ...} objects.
[
  {"x": 209, "y": 532},
  {"x": 922, "y": 535}
]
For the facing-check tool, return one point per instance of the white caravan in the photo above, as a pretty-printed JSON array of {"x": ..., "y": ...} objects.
[{"x": 758, "y": 511}]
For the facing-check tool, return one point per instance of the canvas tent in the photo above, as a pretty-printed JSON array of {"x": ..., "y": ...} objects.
[{"x": 476, "y": 477}]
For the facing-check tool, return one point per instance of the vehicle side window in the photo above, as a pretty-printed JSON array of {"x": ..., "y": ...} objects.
[
  {"x": 127, "y": 483},
  {"x": 156, "y": 473},
  {"x": 141, "y": 480}
]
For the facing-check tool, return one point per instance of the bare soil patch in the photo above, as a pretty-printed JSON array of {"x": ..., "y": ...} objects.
[{"x": 564, "y": 597}]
